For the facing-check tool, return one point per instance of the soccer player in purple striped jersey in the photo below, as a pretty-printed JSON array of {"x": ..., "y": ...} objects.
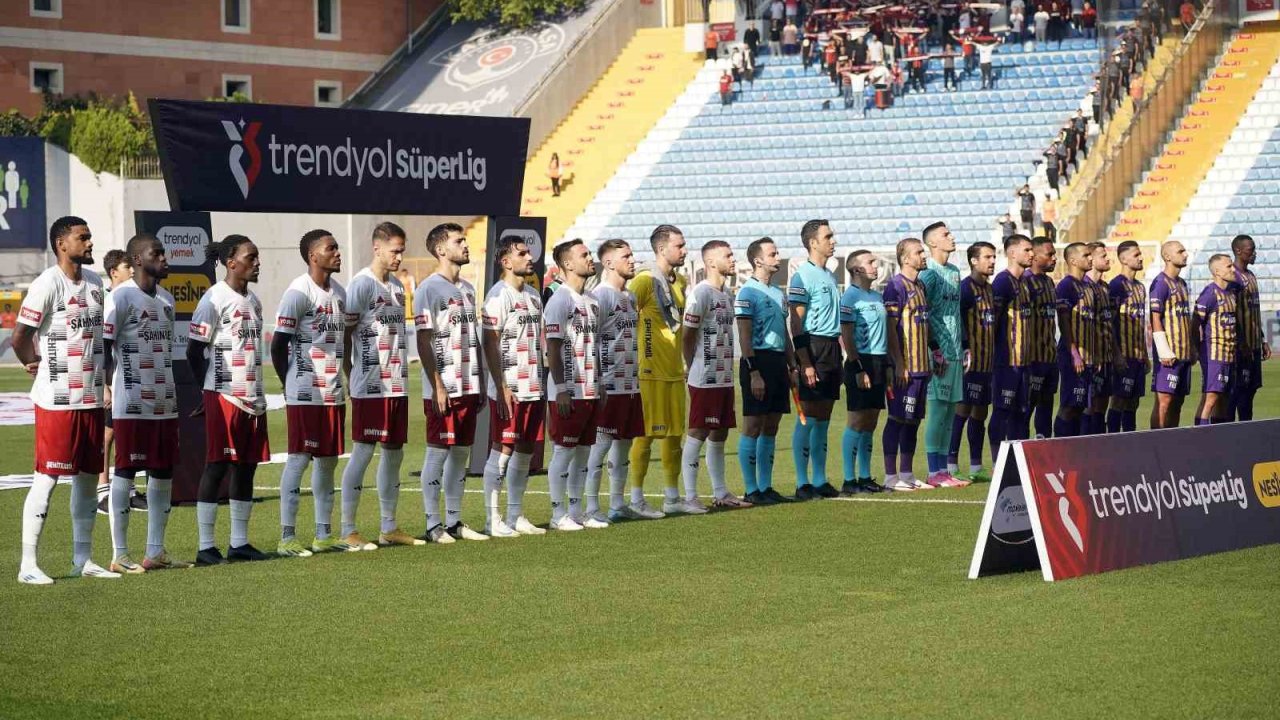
[
  {"x": 1129, "y": 303},
  {"x": 915, "y": 357},
  {"x": 1043, "y": 332},
  {"x": 977, "y": 310},
  {"x": 1253, "y": 343},
  {"x": 1214, "y": 325},
  {"x": 1011, "y": 371},
  {"x": 1079, "y": 343},
  {"x": 1171, "y": 337},
  {"x": 1110, "y": 362}
]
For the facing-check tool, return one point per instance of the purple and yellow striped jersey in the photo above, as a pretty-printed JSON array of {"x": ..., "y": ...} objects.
[
  {"x": 1105, "y": 327},
  {"x": 1216, "y": 315},
  {"x": 1248, "y": 314},
  {"x": 977, "y": 309},
  {"x": 1169, "y": 300},
  {"x": 1014, "y": 312},
  {"x": 906, "y": 306},
  {"x": 1129, "y": 299},
  {"x": 1078, "y": 298},
  {"x": 1044, "y": 328}
]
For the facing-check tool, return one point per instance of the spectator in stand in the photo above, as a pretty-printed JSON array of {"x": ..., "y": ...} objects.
[
  {"x": 8, "y": 318},
  {"x": 1187, "y": 14},
  {"x": 790, "y": 39},
  {"x": 1052, "y": 170},
  {"x": 736, "y": 65},
  {"x": 1160, "y": 21},
  {"x": 1081, "y": 126},
  {"x": 748, "y": 68},
  {"x": 899, "y": 78},
  {"x": 1064, "y": 20},
  {"x": 775, "y": 38},
  {"x": 1049, "y": 215},
  {"x": 1017, "y": 22},
  {"x": 1113, "y": 80},
  {"x": 949, "y": 69},
  {"x": 712, "y": 44},
  {"x": 868, "y": 94},
  {"x": 792, "y": 8},
  {"x": 554, "y": 174},
  {"x": 829, "y": 55},
  {"x": 1077, "y": 12},
  {"x": 1095, "y": 102},
  {"x": 752, "y": 38},
  {"x": 806, "y": 53},
  {"x": 919, "y": 65},
  {"x": 726, "y": 88},
  {"x": 1041, "y": 22},
  {"x": 1027, "y": 202},
  {"x": 858, "y": 51},
  {"x": 776, "y": 12},
  {"x": 965, "y": 22},
  {"x": 875, "y": 50},
  {"x": 986, "y": 49},
  {"x": 1089, "y": 22},
  {"x": 1008, "y": 228}
]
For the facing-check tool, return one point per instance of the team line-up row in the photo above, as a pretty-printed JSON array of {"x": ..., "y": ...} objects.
[{"x": 639, "y": 359}]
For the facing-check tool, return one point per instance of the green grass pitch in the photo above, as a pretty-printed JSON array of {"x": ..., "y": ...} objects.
[{"x": 830, "y": 608}]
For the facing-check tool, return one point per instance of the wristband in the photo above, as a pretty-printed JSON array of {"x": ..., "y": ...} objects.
[
  {"x": 857, "y": 365},
  {"x": 750, "y": 362},
  {"x": 801, "y": 342}
]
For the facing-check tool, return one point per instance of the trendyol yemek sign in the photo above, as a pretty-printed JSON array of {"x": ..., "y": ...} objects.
[
  {"x": 273, "y": 158},
  {"x": 1077, "y": 506}
]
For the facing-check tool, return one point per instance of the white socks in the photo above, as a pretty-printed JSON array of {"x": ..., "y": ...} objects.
[
  {"x": 206, "y": 519},
  {"x": 578, "y": 479},
  {"x": 455, "y": 478},
  {"x": 322, "y": 492},
  {"x": 619, "y": 466},
  {"x": 689, "y": 465},
  {"x": 84, "y": 506},
  {"x": 495, "y": 469},
  {"x": 432, "y": 470},
  {"x": 353, "y": 483},
  {"x": 34, "y": 510},
  {"x": 389, "y": 486},
  {"x": 715, "y": 468},
  {"x": 159, "y": 502},
  {"x": 118, "y": 513},
  {"x": 240, "y": 510},
  {"x": 595, "y": 469},
  {"x": 517, "y": 481},
  {"x": 558, "y": 478},
  {"x": 290, "y": 493}
]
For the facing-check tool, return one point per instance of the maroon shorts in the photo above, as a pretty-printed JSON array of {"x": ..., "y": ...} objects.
[
  {"x": 69, "y": 442},
  {"x": 318, "y": 430},
  {"x": 711, "y": 408},
  {"x": 457, "y": 427},
  {"x": 380, "y": 420},
  {"x": 146, "y": 444},
  {"x": 524, "y": 425},
  {"x": 232, "y": 434},
  {"x": 623, "y": 417},
  {"x": 579, "y": 429}
]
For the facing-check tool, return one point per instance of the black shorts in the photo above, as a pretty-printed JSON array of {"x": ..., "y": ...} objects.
[
  {"x": 856, "y": 398},
  {"x": 825, "y": 354},
  {"x": 777, "y": 385}
]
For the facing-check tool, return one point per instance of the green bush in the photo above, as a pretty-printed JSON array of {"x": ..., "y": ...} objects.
[
  {"x": 100, "y": 133},
  {"x": 512, "y": 13}
]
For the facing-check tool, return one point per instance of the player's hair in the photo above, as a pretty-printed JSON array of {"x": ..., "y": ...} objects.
[
  {"x": 810, "y": 231},
  {"x": 561, "y": 254},
  {"x": 1073, "y": 250},
  {"x": 506, "y": 246},
  {"x": 225, "y": 250},
  {"x": 62, "y": 228},
  {"x": 714, "y": 245},
  {"x": 853, "y": 258},
  {"x": 1126, "y": 246},
  {"x": 976, "y": 249},
  {"x": 756, "y": 249},
  {"x": 1096, "y": 245},
  {"x": 1237, "y": 242},
  {"x": 136, "y": 245},
  {"x": 903, "y": 244},
  {"x": 928, "y": 230},
  {"x": 1041, "y": 241},
  {"x": 661, "y": 234},
  {"x": 1217, "y": 258},
  {"x": 610, "y": 246},
  {"x": 388, "y": 230},
  {"x": 309, "y": 239},
  {"x": 114, "y": 259},
  {"x": 439, "y": 234},
  {"x": 1015, "y": 239}
]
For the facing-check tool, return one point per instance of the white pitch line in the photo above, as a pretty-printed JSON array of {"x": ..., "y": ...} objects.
[{"x": 891, "y": 501}]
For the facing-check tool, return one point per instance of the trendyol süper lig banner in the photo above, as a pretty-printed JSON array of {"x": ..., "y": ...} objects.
[
  {"x": 238, "y": 157},
  {"x": 1077, "y": 506}
]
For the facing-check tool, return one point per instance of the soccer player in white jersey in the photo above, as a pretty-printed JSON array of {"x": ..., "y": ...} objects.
[
  {"x": 138, "y": 332},
  {"x": 58, "y": 339},
  {"x": 377, "y": 363},
  {"x": 573, "y": 337},
  {"x": 308, "y": 356},
  {"x": 225, "y": 346},
  {"x": 623, "y": 417},
  {"x": 708, "y": 354},
  {"x": 512, "y": 318},
  {"x": 449, "y": 346}
]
